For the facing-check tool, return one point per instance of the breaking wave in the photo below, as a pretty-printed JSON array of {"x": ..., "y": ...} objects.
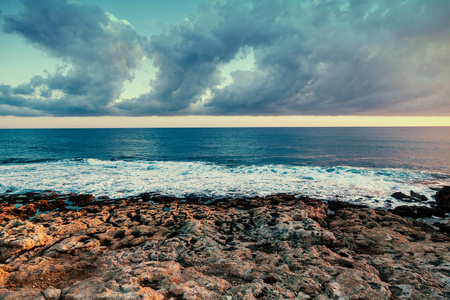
[{"x": 119, "y": 178}]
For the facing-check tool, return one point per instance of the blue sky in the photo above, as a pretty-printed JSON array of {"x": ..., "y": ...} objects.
[{"x": 86, "y": 58}]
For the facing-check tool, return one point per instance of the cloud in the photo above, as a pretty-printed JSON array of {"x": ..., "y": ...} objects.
[
  {"x": 311, "y": 57},
  {"x": 320, "y": 57},
  {"x": 339, "y": 57},
  {"x": 189, "y": 56},
  {"x": 99, "y": 53}
]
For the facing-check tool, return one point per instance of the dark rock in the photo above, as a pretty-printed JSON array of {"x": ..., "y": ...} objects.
[
  {"x": 443, "y": 198},
  {"x": 277, "y": 199},
  {"x": 338, "y": 205},
  {"x": 417, "y": 196},
  {"x": 417, "y": 211},
  {"x": 82, "y": 199},
  {"x": 443, "y": 227},
  {"x": 399, "y": 195},
  {"x": 145, "y": 196},
  {"x": 280, "y": 197}
]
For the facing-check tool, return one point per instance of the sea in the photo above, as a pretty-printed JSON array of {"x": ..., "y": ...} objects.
[{"x": 357, "y": 165}]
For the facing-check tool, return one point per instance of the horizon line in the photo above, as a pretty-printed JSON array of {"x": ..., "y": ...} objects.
[
  {"x": 106, "y": 122},
  {"x": 242, "y": 127}
]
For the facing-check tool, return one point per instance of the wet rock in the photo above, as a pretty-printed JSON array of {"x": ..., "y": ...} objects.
[
  {"x": 443, "y": 198},
  {"x": 418, "y": 197},
  {"x": 146, "y": 196},
  {"x": 82, "y": 199},
  {"x": 399, "y": 196},
  {"x": 417, "y": 211}
]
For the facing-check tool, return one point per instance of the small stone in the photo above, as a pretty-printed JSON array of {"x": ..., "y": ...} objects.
[
  {"x": 303, "y": 296},
  {"x": 51, "y": 294}
]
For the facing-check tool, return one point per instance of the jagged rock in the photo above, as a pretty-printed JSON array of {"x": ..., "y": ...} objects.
[
  {"x": 19, "y": 236},
  {"x": 278, "y": 247}
]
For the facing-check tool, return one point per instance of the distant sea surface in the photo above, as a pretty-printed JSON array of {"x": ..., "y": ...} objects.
[{"x": 359, "y": 165}]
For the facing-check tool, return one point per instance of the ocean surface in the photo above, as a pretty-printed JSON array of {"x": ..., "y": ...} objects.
[{"x": 358, "y": 165}]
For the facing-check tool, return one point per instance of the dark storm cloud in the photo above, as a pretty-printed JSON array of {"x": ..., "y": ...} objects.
[
  {"x": 189, "y": 56},
  {"x": 100, "y": 53},
  {"x": 323, "y": 57},
  {"x": 311, "y": 57}
]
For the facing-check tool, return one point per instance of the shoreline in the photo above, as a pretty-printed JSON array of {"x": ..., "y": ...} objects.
[
  {"x": 276, "y": 247},
  {"x": 414, "y": 205},
  {"x": 120, "y": 179}
]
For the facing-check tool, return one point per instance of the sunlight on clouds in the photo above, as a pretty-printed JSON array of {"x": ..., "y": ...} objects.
[{"x": 114, "y": 20}]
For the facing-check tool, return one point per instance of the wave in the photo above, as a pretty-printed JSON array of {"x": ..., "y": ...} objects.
[
  {"x": 20, "y": 160},
  {"x": 120, "y": 178}
]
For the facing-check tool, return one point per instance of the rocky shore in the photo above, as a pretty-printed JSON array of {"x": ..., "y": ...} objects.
[{"x": 277, "y": 247}]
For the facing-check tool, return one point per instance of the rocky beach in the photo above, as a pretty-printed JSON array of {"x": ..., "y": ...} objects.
[{"x": 276, "y": 247}]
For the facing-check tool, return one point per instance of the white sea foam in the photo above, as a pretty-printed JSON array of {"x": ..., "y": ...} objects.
[{"x": 125, "y": 178}]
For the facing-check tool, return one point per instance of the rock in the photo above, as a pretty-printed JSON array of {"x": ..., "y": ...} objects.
[
  {"x": 399, "y": 196},
  {"x": 18, "y": 236},
  {"x": 145, "y": 196},
  {"x": 417, "y": 197},
  {"x": 302, "y": 296},
  {"x": 26, "y": 293},
  {"x": 82, "y": 199},
  {"x": 278, "y": 247},
  {"x": 443, "y": 198},
  {"x": 351, "y": 282},
  {"x": 96, "y": 288},
  {"x": 417, "y": 211},
  {"x": 51, "y": 293}
]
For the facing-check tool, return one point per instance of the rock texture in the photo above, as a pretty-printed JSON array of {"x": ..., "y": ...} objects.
[{"x": 278, "y": 247}]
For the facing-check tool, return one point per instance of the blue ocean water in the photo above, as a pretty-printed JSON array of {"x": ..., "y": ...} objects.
[{"x": 354, "y": 164}]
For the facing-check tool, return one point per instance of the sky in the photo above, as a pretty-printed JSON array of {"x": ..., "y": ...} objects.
[{"x": 240, "y": 62}]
